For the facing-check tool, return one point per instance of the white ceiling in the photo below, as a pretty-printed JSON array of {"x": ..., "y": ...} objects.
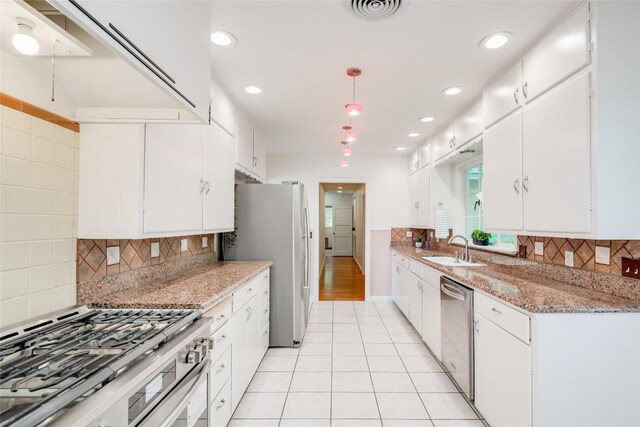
[{"x": 298, "y": 52}]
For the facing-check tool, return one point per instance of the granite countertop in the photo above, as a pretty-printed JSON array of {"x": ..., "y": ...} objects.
[
  {"x": 516, "y": 281},
  {"x": 199, "y": 287}
]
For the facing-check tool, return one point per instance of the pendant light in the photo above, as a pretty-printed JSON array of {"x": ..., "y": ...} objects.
[
  {"x": 350, "y": 135},
  {"x": 23, "y": 40},
  {"x": 346, "y": 151},
  {"x": 344, "y": 162},
  {"x": 353, "y": 109}
]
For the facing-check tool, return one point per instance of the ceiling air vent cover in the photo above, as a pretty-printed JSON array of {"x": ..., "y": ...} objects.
[{"x": 375, "y": 10}]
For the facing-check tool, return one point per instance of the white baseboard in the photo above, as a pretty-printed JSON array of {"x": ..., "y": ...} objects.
[
  {"x": 382, "y": 298},
  {"x": 359, "y": 266}
]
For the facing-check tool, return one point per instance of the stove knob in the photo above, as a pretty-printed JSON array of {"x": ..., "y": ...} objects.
[{"x": 193, "y": 357}]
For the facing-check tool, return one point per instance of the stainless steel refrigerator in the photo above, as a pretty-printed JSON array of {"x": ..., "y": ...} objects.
[{"x": 272, "y": 222}]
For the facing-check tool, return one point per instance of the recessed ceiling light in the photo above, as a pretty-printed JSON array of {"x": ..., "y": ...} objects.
[
  {"x": 400, "y": 148},
  {"x": 453, "y": 90},
  {"x": 253, "y": 90},
  {"x": 339, "y": 191},
  {"x": 339, "y": 188},
  {"x": 427, "y": 119},
  {"x": 496, "y": 40},
  {"x": 223, "y": 38},
  {"x": 414, "y": 134}
]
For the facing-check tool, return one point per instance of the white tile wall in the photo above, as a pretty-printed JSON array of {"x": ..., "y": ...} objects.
[{"x": 38, "y": 216}]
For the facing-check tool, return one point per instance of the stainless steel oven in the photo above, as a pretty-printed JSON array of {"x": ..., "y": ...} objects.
[{"x": 456, "y": 311}]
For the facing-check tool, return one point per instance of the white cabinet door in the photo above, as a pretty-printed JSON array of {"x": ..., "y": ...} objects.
[
  {"x": 244, "y": 142},
  {"x": 503, "y": 376},
  {"x": 563, "y": 51},
  {"x": 173, "y": 188},
  {"x": 223, "y": 112},
  {"x": 239, "y": 355},
  {"x": 502, "y": 180},
  {"x": 260, "y": 153},
  {"x": 395, "y": 282},
  {"x": 153, "y": 39},
  {"x": 469, "y": 124},
  {"x": 253, "y": 336},
  {"x": 413, "y": 198},
  {"x": 415, "y": 161},
  {"x": 431, "y": 317},
  {"x": 503, "y": 96},
  {"x": 219, "y": 178},
  {"x": 404, "y": 290},
  {"x": 557, "y": 160},
  {"x": 415, "y": 302},
  {"x": 443, "y": 143},
  {"x": 424, "y": 154},
  {"x": 424, "y": 186}
]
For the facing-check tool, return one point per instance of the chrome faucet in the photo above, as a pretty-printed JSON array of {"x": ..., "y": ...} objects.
[{"x": 465, "y": 256}]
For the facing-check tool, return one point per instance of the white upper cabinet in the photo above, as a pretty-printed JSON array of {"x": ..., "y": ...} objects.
[
  {"x": 424, "y": 154},
  {"x": 503, "y": 96},
  {"x": 414, "y": 161},
  {"x": 413, "y": 191},
  {"x": 169, "y": 42},
  {"x": 259, "y": 155},
  {"x": 244, "y": 143},
  {"x": 219, "y": 151},
  {"x": 563, "y": 51},
  {"x": 443, "y": 143},
  {"x": 557, "y": 159},
  {"x": 502, "y": 180},
  {"x": 468, "y": 125},
  {"x": 424, "y": 190},
  {"x": 173, "y": 188},
  {"x": 223, "y": 111}
]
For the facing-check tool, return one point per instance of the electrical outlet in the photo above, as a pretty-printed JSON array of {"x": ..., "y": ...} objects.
[
  {"x": 183, "y": 245},
  {"x": 155, "y": 249},
  {"x": 568, "y": 259},
  {"x": 205, "y": 242},
  {"x": 603, "y": 255},
  {"x": 113, "y": 255},
  {"x": 522, "y": 251},
  {"x": 539, "y": 248},
  {"x": 631, "y": 267},
  {"x": 409, "y": 233}
]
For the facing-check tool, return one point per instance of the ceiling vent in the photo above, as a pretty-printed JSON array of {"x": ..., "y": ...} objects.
[{"x": 375, "y": 10}]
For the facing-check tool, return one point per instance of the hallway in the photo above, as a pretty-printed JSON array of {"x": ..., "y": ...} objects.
[{"x": 341, "y": 280}]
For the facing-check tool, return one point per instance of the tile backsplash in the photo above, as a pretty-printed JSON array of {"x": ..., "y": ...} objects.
[
  {"x": 38, "y": 215},
  {"x": 104, "y": 257},
  {"x": 603, "y": 256}
]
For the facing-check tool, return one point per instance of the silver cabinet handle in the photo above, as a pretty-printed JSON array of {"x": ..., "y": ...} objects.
[
  {"x": 525, "y": 183},
  {"x": 516, "y": 185},
  {"x": 222, "y": 316},
  {"x": 417, "y": 205},
  {"x": 495, "y": 310},
  {"x": 266, "y": 310},
  {"x": 201, "y": 185},
  {"x": 249, "y": 290},
  {"x": 220, "y": 368},
  {"x": 222, "y": 337},
  {"x": 222, "y": 402},
  {"x": 525, "y": 88},
  {"x": 248, "y": 312},
  {"x": 515, "y": 95},
  {"x": 397, "y": 269},
  {"x": 265, "y": 332},
  {"x": 266, "y": 276},
  {"x": 207, "y": 187},
  {"x": 455, "y": 144},
  {"x": 266, "y": 292},
  {"x": 476, "y": 325}
]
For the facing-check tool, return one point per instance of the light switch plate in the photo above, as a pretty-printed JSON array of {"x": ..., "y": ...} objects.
[
  {"x": 539, "y": 248},
  {"x": 603, "y": 255},
  {"x": 183, "y": 245},
  {"x": 205, "y": 242},
  {"x": 409, "y": 233},
  {"x": 568, "y": 258},
  {"x": 113, "y": 255},
  {"x": 155, "y": 249}
]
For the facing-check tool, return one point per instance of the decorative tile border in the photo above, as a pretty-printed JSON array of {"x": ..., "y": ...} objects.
[
  {"x": 399, "y": 236},
  {"x": 584, "y": 252},
  {"x": 127, "y": 255}
]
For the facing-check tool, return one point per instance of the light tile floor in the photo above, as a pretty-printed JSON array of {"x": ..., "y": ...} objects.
[{"x": 360, "y": 365}]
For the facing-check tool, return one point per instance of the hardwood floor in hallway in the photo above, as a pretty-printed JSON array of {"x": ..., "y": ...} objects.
[{"x": 341, "y": 280}]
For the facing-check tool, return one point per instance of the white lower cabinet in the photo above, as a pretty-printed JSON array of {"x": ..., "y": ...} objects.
[
  {"x": 220, "y": 410},
  {"x": 431, "y": 310},
  {"x": 415, "y": 301},
  {"x": 503, "y": 376}
]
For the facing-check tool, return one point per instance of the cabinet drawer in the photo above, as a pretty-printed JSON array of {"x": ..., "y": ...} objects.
[
  {"x": 415, "y": 267},
  {"x": 244, "y": 294},
  {"x": 221, "y": 341},
  {"x": 400, "y": 259},
  {"x": 264, "y": 315},
  {"x": 220, "y": 408},
  {"x": 221, "y": 314},
  {"x": 265, "y": 288},
  {"x": 219, "y": 374},
  {"x": 431, "y": 276},
  {"x": 507, "y": 318}
]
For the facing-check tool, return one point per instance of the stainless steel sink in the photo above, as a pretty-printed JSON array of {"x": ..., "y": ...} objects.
[{"x": 450, "y": 261}]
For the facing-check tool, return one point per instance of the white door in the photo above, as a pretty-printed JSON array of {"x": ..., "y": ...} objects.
[
  {"x": 557, "y": 160},
  {"x": 502, "y": 180},
  {"x": 424, "y": 186},
  {"x": 173, "y": 189},
  {"x": 244, "y": 142},
  {"x": 218, "y": 208},
  {"x": 503, "y": 376},
  {"x": 342, "y": 231},
  {"x": 503, "y": 96},
  {"x": 413, "y": 198}
]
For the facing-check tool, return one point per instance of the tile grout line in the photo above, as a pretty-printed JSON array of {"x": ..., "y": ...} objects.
[{"x": 366, "y": 358}]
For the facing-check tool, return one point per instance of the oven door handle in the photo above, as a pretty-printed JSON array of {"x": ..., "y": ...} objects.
[{"x": 169, "y": 419}]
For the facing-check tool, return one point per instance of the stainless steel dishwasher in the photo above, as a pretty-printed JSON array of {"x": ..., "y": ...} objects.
[{"x": 456, "y": 312}]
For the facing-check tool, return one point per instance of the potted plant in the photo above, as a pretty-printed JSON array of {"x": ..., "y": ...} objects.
[
  {"x": 418, "y": 241},
  {"x": 480, "y": 237}
]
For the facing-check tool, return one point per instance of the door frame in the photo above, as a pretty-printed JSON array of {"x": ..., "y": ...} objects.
[{"x": 367, "y": 232}]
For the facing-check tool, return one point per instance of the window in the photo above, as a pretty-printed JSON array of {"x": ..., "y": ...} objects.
[
  {"x": 473, "y": 210},
  {"x": 328, "y": 216}
]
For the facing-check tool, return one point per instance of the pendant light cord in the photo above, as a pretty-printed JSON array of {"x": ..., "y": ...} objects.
[{"x": 53, "y": 73}]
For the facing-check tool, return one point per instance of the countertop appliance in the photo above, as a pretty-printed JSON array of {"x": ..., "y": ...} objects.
[
  {"x": 89, "y": 367},
  {"x": 272, "y": 224},
  {"x": 456, "y": 311}
]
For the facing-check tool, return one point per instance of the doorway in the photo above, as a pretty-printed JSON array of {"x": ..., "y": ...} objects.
[{"x": 342, "y": 242}]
